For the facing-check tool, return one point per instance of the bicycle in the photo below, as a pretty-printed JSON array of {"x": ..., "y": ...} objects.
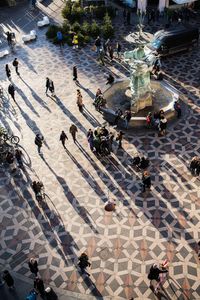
[{"x": 4, "y": 137}]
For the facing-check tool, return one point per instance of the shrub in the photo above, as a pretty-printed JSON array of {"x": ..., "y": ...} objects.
[
  {"x": 101, "y": 11},
  {"x": 52, "y": 31},
  {"x": 80, "y": 39},
  {"x": 95, "y": 29},
  {"x": 76, "y": 13},
  {"x": 86, "y": 28},
  {"x": 66, "y": 27},
  {"x": 107, "y": 28},
  {"x": 72, "y": 11},
  {"x": 66, "y": 11},
  {"x": 76, "y": 27},
  {"x": 86, "y": 39}
]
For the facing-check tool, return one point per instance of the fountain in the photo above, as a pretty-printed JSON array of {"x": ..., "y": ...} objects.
[
  {"x": 139, "y": 79},
  {"x": 139, "y": 93}
]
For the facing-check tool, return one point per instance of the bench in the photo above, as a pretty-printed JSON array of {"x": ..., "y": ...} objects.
[
  {"x": 29, "y": 37},
  {"x": 44, "y": 22},
  {"x": 4, "y": 53}
]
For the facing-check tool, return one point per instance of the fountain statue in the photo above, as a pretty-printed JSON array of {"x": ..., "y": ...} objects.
[{"x": 139, "y": 79}]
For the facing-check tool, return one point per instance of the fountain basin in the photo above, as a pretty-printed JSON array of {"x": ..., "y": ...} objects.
[{"x": 163, "y": 97}]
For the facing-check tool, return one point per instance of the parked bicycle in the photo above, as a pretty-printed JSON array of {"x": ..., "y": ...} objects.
[{"x": 5, "y": 137}]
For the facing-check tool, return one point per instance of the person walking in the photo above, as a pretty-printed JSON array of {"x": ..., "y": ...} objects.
[
  {"x": 127, "y": 118},
  {"x": 9, "y": 38},
  {"x": 8, "y": 72},
  {"x": 11, "y": 91},
  {"x": 39, "y": 286},
  {"x": 39, "y": 141},
  {"x": 146, "y": 180},
  {"x": 90, "y": 138},
  {"x": 75, "y": 74},
  {"x": 18, "y": 156},
  {"x": 119, "y": 139},
  {"x": 47, "y": 85},
  {"x": 111, "y": 52},
  {"x": 33, "y": 266},
  {"x": 118, "y": 114},
  {"x": 102, "y": 56},
  {"x": 50, "y": 294},
  {"x": 16, "y": 65},
  {"x": 63, "y": 138},
  {"x": 75, "y": 41},
  {"x": 73, "y": 130},
  {"x": 60, "y": 38},
  {"x": 51, "y": 87},
  {"x": 162, "y": 125},
  {"x": 84, "y": 263},
  {"x": 79, "y": 101},
  {"x": 8, "y": 279},
  {"x": 98, "y": 44},
  {"x": 177, "y": 108},
  {"x": 119, "y": 49},
  {"x": 155, "y": 274}
]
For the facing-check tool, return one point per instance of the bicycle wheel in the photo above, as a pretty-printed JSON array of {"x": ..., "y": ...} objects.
[
  {"x": 14, "y": 139},
  {"x": 5, "y": 137}
]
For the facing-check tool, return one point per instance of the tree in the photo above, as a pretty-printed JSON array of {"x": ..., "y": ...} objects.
[{"x": 107, "y": 27}]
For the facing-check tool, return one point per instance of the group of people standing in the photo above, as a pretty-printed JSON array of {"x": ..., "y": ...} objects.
[
  {"x": 101, "y": 140},
  {"x": 105, "y": 50}
]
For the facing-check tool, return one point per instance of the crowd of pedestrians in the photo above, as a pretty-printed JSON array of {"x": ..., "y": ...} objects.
[{"x": 100, "y": 141}]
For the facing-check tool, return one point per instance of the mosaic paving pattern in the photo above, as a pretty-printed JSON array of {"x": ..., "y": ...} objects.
[{"x": 145, "y": 228}]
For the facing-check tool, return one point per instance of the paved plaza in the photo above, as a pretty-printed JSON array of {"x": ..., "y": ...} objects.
[{"x": 146, "y": 228}]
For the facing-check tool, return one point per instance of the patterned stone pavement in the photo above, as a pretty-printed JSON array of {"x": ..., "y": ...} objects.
[{"x": 145, "y": 228}]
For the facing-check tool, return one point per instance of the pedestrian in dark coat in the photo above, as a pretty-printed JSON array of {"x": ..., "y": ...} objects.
[
  {"x": 119, "y": 49},
  {"x": 38, "y": 141},
  {"x": 177, "y": 108},
  {"x": 8, "y": 279},
  {"x": 155, "y": 272},
  {"x": 47, "y": 84},
  {"x": 50, "y": 294},
  {"x": 8, "y": 72},
  {"x": 111, "y": 52},
  {"x": 73, "y": 130},
  {"x": 39, "y": 285},
  {"x": 9, "y": 38},
  {"x": 16, "y": 65},
  {"x": 63, "y": 138},
  {"x": 33, "y": 266},
  {"x": 119, "y": 139},
  {"x": 75, "y": 74},
  {"x": 11, "y": 91},
  {"x": 146, "y": 180},
  {"x": 18, "y": 156},
  {"x": 84, "y": 262}
]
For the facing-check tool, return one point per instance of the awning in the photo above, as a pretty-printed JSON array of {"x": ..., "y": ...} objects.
[{"x": 183, "y": 1}]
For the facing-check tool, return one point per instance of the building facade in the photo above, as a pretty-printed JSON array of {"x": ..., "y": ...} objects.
[{"x": 161, "y": 4}]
